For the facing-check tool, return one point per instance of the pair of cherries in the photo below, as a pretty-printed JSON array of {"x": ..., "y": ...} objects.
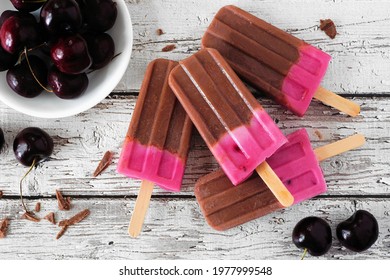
[{"x": 358, "y": 233}]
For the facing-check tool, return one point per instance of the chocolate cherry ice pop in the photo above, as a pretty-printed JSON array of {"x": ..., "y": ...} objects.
[
  {"x": 235, "y": 127},
  {"x": 273, "y": 61},
  {"x": 225, "y": 205},
  {"x": 157, "y": 141}
]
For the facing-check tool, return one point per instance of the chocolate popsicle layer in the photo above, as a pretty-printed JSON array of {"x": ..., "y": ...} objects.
[
  {"x": 268, "y": 58},
  {"x": 235, "y": 127},
  {"x": 158, "y": 138},
  {"x": 225, "y": 205},
  {"x": 295, "y": 163}
]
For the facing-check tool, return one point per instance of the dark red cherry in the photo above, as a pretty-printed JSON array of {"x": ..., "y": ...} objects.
[
  {"x": 359, "y": 232},
  {"x": 2, "y": 141},
  {"x": 70, "y": 54},
  {"x": 101, "y": 14},
  {"x": 18, "y": 32},
  {"x": 7, "y": 60},
  {"x": 101, "y": 47},
  {"x": 67, "y": 86},
  {"x": 27, "y": 5},
  {"x": 31, "y": 144},
  {"x": 61, "y": 16},
  {"x": 22, "y": 81},
  {"x": 313, "y": 234},
  {"x": 7, "y": 14}
]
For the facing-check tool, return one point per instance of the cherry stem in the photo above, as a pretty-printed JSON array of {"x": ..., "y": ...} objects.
[
  {"x": 36, "y": 47},
  {"x": 21, "y": 185},
  {"x": 304, "y": 254},
  {"x": 29, "y": 50},
  {"x": 32, "y": 72},
  {"x": 118, "y": 54},
  {"x": 115, "y": 56}
]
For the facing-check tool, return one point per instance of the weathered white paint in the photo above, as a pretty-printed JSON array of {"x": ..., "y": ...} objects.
[
  {"x": 359, "y": 179},
  {"x": 175, "y": 229},
  {"x": 81, "y": 141},
  {"x": 360, "y": 52}
]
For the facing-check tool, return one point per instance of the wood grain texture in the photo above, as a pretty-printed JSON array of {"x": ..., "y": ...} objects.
[
  {"x": 360, "y": 52},
  {"x": 81, "y": 141},
  {"x": 175, "y": 229}
]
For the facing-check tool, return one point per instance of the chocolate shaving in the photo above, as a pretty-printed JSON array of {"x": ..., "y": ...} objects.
[
  {"x": 38, "y": 207},
  {"x": 4, "y": 227},
  {"x": 319, "y": 134},
  {"x": 1, "y": 194},
  {"x": 104, "y": 163},
  {"x": 61, "y": 232},
  {"x": 75, "y": 219},
  {"x": 328, "y": 26},
  {"x": 51, "y": 218},
  {"x": 30, "y": 216},
  {"x": 63, "y": 204},
  {"x": 169, "y": 48},
  {"x": 160, "y": 32}
]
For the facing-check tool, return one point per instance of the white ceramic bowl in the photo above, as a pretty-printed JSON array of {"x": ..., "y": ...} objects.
[{"x": 101, "y": 82}]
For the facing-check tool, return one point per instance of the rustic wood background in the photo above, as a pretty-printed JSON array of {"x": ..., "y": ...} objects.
[{"x": 174, "y": 227}]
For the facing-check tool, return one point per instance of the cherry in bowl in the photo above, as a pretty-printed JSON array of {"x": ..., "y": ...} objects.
[{"x": 101, "y": 82}]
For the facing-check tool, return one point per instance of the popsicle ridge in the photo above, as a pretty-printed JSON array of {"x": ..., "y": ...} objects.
[
  {"x": 270, "y": 59},
  {"x": 150, "y": 163},
  {"x": 242, "y": 134},
  {"x": 232, "y": 155},
  {"x": 298, "y": 168},
  {"x": 225, "y": 206},
  {"x": 296, "y": 163},
  {"x": 308, "y": 70},
  {"x": 157, "y": 141}
]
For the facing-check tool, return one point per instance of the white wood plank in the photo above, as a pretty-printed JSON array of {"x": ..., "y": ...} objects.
[
  {"x": 360, "y": 51},
  {"x": 81, "y": 141},
  {"x": 175, "y": 229}
]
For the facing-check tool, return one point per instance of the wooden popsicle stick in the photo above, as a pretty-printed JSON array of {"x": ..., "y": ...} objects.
[
  {"x": 336, "y": 101},
  {"x": 275, "y": 184},
  {"x": 338, "y": 147},
  {"x": 140, "y": 208}
]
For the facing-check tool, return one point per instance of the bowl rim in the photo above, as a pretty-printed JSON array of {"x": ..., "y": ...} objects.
[{"x": 105, "y": 88}]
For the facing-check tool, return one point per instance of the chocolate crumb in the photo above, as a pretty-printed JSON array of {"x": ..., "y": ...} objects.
[
  {"x": 1, "y": 194},
  {"x": 51, "y": 218},
  {"x": 328, "y": 26},
  {"x": 30, "y": 216},
  {"x": 61, "y": 232},
  {"x": 169, "y": 48},
  {"x": 63, "y": 204},
  {"x": 38, "y": 207},
  {"x": 75, "y": 219},
  {"x": 160, "y": 32},
  {"x": 4, "y": 227},
  {"x": 319, "y": 134},
  {"x": 104, "y": 163}
]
